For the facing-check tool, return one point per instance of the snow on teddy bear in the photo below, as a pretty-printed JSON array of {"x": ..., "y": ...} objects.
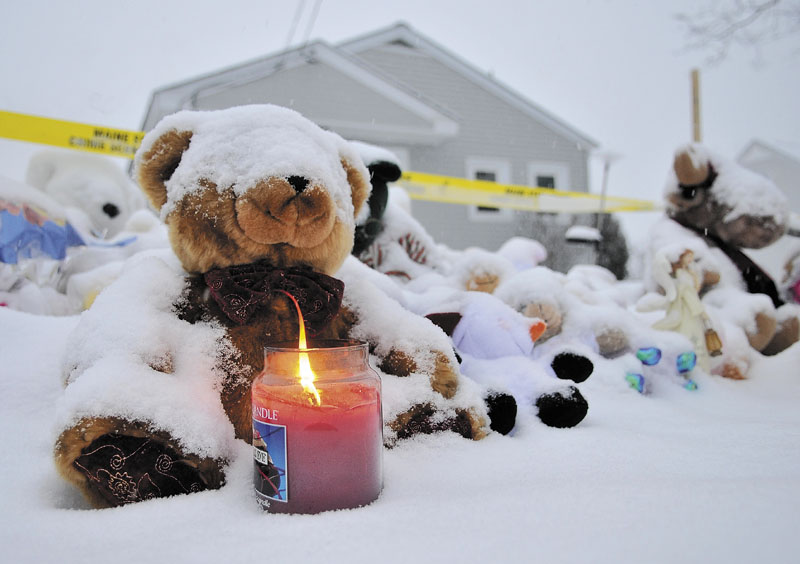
[
  {"x": 98, "y": 195},
  {"x": 258, "y": 201},
  {"x": 715, "y": 208}
]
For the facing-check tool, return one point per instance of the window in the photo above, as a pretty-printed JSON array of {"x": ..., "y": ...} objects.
[
  {"x": 545, "y": 181},
  {"x": 491, "y": 177},
  {"x": 552, "y": 175},
  {"x": 492, "y": 170}
]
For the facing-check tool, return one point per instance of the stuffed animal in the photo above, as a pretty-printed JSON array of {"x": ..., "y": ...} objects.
[
  {"x": 49, "y": 267},
  {"x": 454, "y": 289},
  {"x": 790, "y": 283},
  {"x": 483, "y": 328},
  {"x": 35, "y": 240},
  {"x": 258, "y": 202},
  {"x": 583, "y": 305},
  {"x": 99, "y": 195},
  {"x": 714, "y": 209},
  {"x": 395, "y": 243}
]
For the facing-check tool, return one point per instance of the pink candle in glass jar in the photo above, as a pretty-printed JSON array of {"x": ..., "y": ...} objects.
[{"x": 320, "y": 446}]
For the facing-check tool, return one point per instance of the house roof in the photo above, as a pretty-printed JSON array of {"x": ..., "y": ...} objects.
[
  {"x": 402, "y": 32},
  {"x": 757, "y": 150},
  {"x": 439, "y": 121}
]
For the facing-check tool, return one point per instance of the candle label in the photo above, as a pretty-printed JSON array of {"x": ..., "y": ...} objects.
[{"x": 269, "y": 458}]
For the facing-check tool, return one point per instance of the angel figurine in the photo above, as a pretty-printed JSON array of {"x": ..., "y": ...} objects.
[{"x": 685, "y": 313}]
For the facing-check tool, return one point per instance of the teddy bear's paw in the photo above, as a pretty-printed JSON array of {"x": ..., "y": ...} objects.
[
  {"x": 571, "y": 366},
  {"x": 732, "y": 372},
  {"x": 502, "y": 411},
  {"x": 710, "y": 278},
  {"x": 484, "y": 282},
  {"x": 425, "y": 419},
  {"x": 122, "y": 469},
  {"x": 115, "y": 462},
  {"x": 786, "y": 334},
  {"x": 765, "y": 328},
  {"x": 444, "y": 378},
  {"x": 562, "y": 409},
  {"x": 398, "y": 363}
]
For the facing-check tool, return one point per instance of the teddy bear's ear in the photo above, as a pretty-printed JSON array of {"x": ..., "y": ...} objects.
[
  {"x": 690, "y": 168},
  {"x": 156, "y": 165},
  {"x": 41, "y": 169},
  {"x": 359, "y": 184}
]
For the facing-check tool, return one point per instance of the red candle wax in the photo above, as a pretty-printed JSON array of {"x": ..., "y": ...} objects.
[{"x": 309, "y": 456}]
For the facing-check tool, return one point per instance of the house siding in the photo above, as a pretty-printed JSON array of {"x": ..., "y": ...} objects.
[
  {"x": 300, "y": 88},
  {"x": 489, "y": 127},
  {"x": 782, "y": 169}
]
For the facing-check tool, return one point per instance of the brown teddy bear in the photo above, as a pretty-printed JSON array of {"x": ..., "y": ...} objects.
[
  {"x": 716, "y": 208},
  {"x": 258, "y": 201}
]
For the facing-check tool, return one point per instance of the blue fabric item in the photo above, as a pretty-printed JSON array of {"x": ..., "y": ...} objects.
[{"x": 29, "y": 234}]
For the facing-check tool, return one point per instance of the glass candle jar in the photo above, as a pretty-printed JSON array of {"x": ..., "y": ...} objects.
[{"x": 317, "y": 448}]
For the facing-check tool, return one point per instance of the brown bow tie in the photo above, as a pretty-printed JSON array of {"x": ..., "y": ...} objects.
[{"x": 243, "y": 289}]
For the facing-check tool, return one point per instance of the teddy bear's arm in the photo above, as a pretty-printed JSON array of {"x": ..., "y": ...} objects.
[{"x": 403, "y": 342}]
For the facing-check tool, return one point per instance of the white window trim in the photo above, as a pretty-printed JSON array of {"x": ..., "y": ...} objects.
[
  {"x": 559, "y": 172},
  {"x": 502, "y": 170}
]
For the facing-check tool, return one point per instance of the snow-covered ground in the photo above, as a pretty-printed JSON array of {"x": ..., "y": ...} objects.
[{"x": 711, "y": 475}]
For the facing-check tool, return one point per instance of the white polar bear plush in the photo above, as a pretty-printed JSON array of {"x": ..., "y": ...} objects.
[{"x": 98, "y": 195}]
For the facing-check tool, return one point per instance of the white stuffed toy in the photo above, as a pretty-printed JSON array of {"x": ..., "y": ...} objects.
[{"x": 97, "y": 194}]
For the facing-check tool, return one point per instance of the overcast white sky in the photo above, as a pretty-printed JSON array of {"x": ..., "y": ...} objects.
[{"x": 614, "y": 69}]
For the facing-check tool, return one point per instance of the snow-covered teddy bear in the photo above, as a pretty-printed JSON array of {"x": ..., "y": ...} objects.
[
  {"x": 390, "y": 240},
  {"x": 582, "y": 305},
  {"x": 454, "y": 289},
  {"x": 98, "y": 195},
  {"x": 715, "y": 208},
  {"x": 258, "y": 201}
]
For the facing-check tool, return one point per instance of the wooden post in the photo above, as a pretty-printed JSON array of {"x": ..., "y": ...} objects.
[{"x": 696, "y": 136}]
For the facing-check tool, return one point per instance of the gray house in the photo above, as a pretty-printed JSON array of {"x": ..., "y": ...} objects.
[
  {"x": 777, "y": 165},
  {"x": 400, "y": 90}
]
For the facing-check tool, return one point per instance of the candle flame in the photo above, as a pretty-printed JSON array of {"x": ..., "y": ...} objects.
[{"x": 307, "y": 375}]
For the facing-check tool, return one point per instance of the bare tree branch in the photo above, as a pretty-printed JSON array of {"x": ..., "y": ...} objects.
[{"x": 720, "y": 24}]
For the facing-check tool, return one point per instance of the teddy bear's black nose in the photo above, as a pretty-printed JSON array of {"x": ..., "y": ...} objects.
[
  {"x": 298, "y": 183},
  {"x": 111, "y": 210}
]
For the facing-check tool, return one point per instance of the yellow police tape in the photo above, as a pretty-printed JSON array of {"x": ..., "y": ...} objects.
[
  {"x": 70, "y": 134},
  {"x": 421, "y": 186},
  {"x": 483, "y": 193}
]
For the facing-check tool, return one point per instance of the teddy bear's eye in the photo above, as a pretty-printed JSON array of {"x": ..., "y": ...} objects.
[{"x": 688, "y": 192}]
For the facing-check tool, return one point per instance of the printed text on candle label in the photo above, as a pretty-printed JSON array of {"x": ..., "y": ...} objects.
[{"x": 265, "y": 413}]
